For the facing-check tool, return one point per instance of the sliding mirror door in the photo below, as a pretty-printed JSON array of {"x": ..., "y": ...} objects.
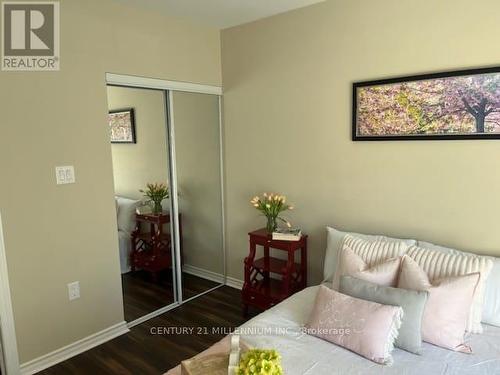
[
  {"x": 166, "y": 133},
  {"x": 137, "y": 122},
  {"x": 196, "y": 129}
]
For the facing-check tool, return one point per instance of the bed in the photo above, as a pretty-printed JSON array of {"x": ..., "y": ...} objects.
[
  {"x": 279, "y": 328},
  {"x": 125, "y": 217}
]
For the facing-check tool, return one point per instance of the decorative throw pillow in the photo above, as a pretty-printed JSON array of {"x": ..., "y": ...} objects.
[
  {"x": 448, "y": 307},
  {"x": 385, "y": 272},
  {"x": 334, "y": 240},
  {"x": 366, "y": 328},
  {"x": 491, "y": 305},
  {"x": 438, "y": 265},
  {"x": 413, "y": 304}
]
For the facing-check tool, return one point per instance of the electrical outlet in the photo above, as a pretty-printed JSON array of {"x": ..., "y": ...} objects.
[
  {"x": 74, "y": 290},
  {"x": 65, "y": 175}
]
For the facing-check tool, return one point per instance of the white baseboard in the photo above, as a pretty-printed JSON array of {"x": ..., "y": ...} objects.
[
  {"x": 234, "y": 283},
  {"x": 204, "y": 274},
  {"x": 87, "y": 343},
  {"x": 212, "y": 276},
  {"x": 71, "y": 350}
]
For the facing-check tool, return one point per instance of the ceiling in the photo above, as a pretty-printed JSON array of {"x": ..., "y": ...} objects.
[{"x": 222, "y": 13}]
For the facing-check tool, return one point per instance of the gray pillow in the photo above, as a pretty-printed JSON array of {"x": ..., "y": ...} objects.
[{"x": 412, "y": 301}]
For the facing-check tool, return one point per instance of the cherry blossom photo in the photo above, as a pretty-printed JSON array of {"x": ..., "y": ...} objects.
[{"x": 433, "y": 106}]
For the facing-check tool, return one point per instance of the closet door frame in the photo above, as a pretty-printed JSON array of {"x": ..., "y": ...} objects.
[{"x": 169, "y": 87}]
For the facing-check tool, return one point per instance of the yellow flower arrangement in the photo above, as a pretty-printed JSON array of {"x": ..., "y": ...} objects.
[
  {"x": 272, "y": 205},
  {"x": 156, "y": 193},
  {"x": 260, "y": 362}
]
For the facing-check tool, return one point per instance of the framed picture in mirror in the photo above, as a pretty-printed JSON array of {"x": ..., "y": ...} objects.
[{"x": 122, "y": 126}]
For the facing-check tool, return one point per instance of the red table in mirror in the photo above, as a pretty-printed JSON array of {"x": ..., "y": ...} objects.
[{"x": 152, "y": 247}]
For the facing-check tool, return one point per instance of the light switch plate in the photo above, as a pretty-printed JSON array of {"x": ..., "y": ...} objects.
[
  {"x": 74, "y": 290},
  {"x": 65, "y": 175}
]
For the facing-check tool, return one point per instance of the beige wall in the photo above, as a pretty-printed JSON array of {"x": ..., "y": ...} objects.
[
  {"x": 287, "y": 82},
  {"x": 197, "y": 146},
  {"x": 136, "y": 164},
  {"x": 58, "y": 234}
]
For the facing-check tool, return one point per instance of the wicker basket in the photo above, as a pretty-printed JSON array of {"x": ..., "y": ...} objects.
[{"x": 214, "y": 364}]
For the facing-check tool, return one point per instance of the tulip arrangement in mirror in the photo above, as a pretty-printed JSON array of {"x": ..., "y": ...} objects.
[
  {"x": 271, "y": 206},
  {"x": 156, "y": 193}
]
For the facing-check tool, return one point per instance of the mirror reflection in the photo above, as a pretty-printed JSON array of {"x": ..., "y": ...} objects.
[
  {"x": 198, "y": 165},
  {"x": 137, "y": 125},
  {"x": 140, "y": 146}
]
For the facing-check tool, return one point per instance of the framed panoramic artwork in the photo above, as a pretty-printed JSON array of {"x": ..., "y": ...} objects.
[
  {"x": 122, "y": 126},
  {"x": 453, "y": 105}
]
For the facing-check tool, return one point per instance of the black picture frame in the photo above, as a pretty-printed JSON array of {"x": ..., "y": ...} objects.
[
  {"x": 131, "y": 113},
  {"x": 414, "y": 137}
]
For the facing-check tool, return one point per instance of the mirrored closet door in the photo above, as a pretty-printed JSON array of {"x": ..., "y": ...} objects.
[
  {"x": 196, "y": 123},
  {"x": 167, "y": 162},
  {"x": 137, "y": 122}
]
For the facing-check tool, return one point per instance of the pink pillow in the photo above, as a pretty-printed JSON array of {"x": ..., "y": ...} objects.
[
  {"x": 351, "y": 264},
  {"x": 447, "y": 310},
  {"x": 366, "y": 328}
]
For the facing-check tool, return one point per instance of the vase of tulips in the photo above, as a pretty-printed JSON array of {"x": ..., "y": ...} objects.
[
  {"x": 271, "y": 206},
  {"x": 156, "y": 193}
]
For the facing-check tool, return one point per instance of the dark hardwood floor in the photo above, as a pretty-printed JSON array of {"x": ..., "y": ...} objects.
[
  {"x": 143, "y": 295},
  {"x": 140, "y": 352}
]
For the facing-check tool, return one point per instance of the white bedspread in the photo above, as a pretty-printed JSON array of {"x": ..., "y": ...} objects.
[{"x": 304, "y": 354}]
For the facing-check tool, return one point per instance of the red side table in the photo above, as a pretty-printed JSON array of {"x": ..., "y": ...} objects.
[
  {"x": 151, "y": 249},
  {"x": 259, "y": 289}
]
